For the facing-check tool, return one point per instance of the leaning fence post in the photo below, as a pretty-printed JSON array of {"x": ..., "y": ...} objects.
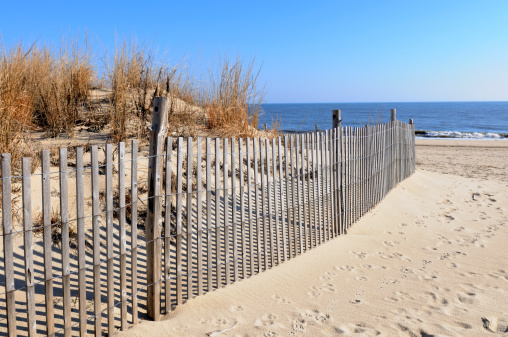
[
  {"x": 337, "y": 121},
  {"x": 152, "y": 224}
]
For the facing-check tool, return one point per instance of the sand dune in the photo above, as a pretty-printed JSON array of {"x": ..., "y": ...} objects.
[{"x": 430, "y": 260}]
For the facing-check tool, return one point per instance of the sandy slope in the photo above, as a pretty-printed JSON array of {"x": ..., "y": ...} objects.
[{"x": 430, "y": 260}]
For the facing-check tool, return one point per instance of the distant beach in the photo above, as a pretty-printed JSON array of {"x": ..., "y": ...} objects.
[{"x": 466, "y": 120}]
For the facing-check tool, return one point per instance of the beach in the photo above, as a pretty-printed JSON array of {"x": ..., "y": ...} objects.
[{"x": 429, "y": 260}]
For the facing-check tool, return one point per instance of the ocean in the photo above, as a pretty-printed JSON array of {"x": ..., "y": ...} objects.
[{"x": 476, "y": 120}]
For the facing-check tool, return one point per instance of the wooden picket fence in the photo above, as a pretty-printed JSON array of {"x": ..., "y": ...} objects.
[{"x": 198, "y": 214}]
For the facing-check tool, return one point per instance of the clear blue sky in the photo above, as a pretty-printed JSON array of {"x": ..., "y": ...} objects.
[{"x": 319, "y": 51}]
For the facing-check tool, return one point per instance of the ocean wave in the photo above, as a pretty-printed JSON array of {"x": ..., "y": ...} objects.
[{"x": 460, "y": 135}]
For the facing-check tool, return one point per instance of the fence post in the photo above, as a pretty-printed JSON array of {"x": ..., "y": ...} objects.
[
  {"x": 152, "y": 224},
  {"x": 337, "y": 121},
  {"x": 393, "y": 115}
]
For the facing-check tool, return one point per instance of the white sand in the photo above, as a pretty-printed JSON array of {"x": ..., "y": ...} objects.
[{"x": 430, "y": 260}]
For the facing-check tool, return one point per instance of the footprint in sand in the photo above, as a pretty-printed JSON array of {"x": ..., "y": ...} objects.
[
  {"x": 266, "y": 320},
  {"x": 390, "y": 243},
  {"x": 400, "y": 256},
  {"x": 314, "y": 292},
  {"x": 280, "y": 299},
  {"x": 236, "y": 308},
  {"x": 358, "y": 297},
  {"x": 345, "y": 268},
  {"x": 360, "y": 278},
  {"x": 359, "y": 329},
  {"x": 327, "y": 287},
  {"x": 496, "y": 324},
  {"x": 299, "y": 325},
  {"x": 318, "y": 316},
  {"x": 327, "y": 276},
  {"x": 420, "y": 223},
  {"x": 369, "y": 266},
  {"x": 452, "y": 265},
  {"x": 406, "y": 271},
  {"x": 464, "y": 325},
  {"x": 359, "y": 255},
  {"x": 466, "y": 298}
]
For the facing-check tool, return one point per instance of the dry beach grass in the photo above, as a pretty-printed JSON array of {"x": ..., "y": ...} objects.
[{"x": 59, "y": 93}]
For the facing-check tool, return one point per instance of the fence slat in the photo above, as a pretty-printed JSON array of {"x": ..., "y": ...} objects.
[
  {"x": 47, "y": 229},
  {"x": 297, "y": 179},
  {"x": 283, "y": 249},
  {"x": 249, "y": 207},
  {"x": 303, "y": 177},
  {"x": 109, "y": 240},
  {"x": 324, "y": 185},
  {"x": 269, "y": 184},
  {"x": 334, "y": 180},
  {"x": 123, "y": 235},
  {"x": 28, "y": 248},
  {"x": 96, "y": 241},
  {"x": 134, "y": 230},
  {"x": 199, "y": 224},
  {"x": 225, "y": 180},
  {"x": 321, "y": 186},
  {"x": 275, "y": 246},
  {"x": 243, "y": 226},
  {"x": 209, "y": 242},
  {"x": 80, "y": 210},
  {"x": 256, "y": 201},
  {"x": 328, "y": 188},
  {"x": 309, "y": 189},
  {"x": 10, "y": 301},
  {"x": 189, "y": 229},
  {"x": 64, "y": 216},
  {"x": 179, "y": 234},
  {"x": 234, "y": 210},
  {"x": 282, "y": 244},
  {"x": 293, "y": 196},
  {"x": 288, "y": 238},
  {"x": 168, "y": 225},
  {"x": 263, "y": 234},
  {"x": 315, "y": 186},
  {"x": 218, "y": 253}
]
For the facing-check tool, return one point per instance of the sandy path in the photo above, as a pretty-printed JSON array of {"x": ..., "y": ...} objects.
[{"x": 435, "y": 266}]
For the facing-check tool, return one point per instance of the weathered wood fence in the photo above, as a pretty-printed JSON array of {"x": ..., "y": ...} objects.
[{"x": 192, "y": 216}]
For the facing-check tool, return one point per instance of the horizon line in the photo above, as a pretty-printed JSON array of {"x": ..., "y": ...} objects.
[{"x": 506, "y": 101}]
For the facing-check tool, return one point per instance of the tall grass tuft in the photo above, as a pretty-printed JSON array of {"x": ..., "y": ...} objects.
[
  {"x": 16, "y": 102},
  {"x": 135, "y": 80},
  {"x": 232, "y": 99},
  {"x": 43, "y": 89},
  {"x": 63, "y": 84}
]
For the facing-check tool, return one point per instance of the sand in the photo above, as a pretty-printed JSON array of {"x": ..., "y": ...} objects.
[{"x": 430, "y": 260}]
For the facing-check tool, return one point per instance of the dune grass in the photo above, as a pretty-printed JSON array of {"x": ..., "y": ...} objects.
[
  {"x": 232, "y": 99},
  {"x": 43, "y": 89}
]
